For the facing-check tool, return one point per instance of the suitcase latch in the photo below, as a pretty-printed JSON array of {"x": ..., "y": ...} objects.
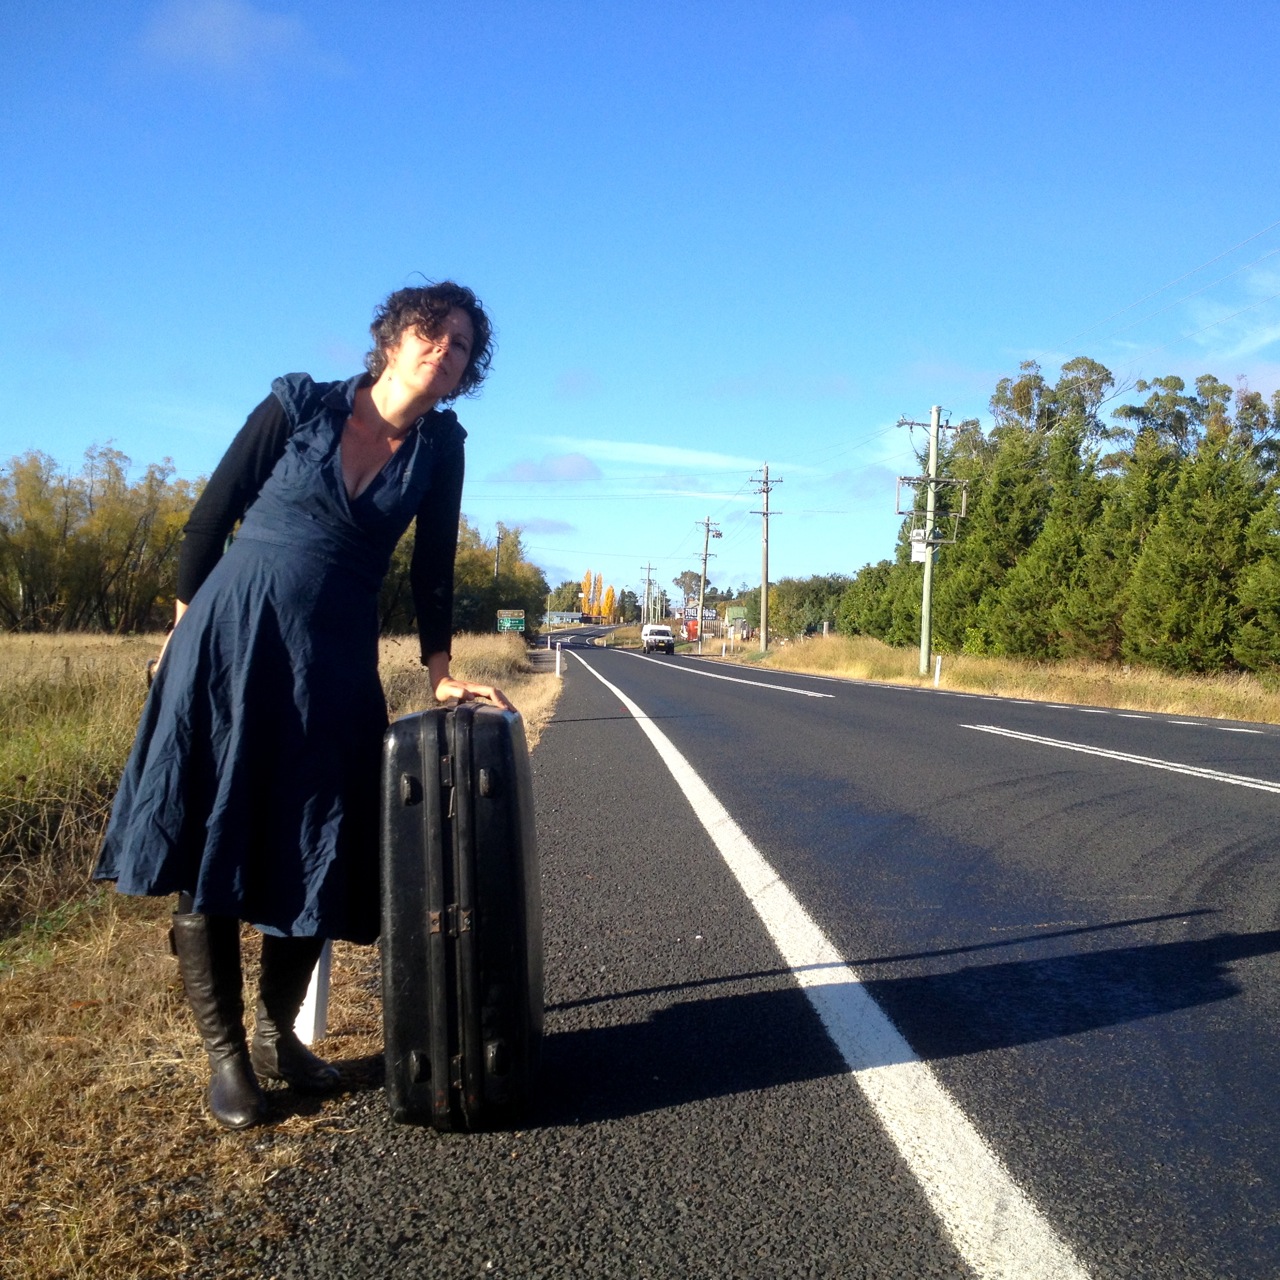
[
  {"x": 456, "y": 921},
  {"x": 446, "y": 771}
]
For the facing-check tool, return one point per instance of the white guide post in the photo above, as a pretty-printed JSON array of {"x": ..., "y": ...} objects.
[
  {"x": 557, "y": 657},
  {"x": 313, "y": 1017},
  {"x": 937, "y": 671}
]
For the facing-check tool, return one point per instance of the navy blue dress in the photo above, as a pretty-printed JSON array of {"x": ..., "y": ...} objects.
[{"x": 253, "y": 780}]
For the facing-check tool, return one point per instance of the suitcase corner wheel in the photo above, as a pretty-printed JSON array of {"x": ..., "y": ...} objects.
[{"x": 461, "y": 919}]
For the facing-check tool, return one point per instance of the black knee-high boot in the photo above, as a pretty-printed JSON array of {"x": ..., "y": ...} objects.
[
  {"x": 277, "y": 1053},
  {"x": 208, "y": 951}
]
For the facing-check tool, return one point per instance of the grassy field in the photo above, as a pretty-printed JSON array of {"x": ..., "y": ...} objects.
[
  {"x": 108, "y": 1164},
  {"x": 1093, "y": 684}
]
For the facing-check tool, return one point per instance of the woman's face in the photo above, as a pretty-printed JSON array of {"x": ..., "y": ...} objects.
[{"x": 431, "y": 368}]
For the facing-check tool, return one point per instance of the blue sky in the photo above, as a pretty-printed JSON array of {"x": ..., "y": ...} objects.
[{"x": 711, "y": 235}]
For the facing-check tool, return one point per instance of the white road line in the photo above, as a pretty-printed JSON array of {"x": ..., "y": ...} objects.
[
  {"x": 1151, "y": 762},
  {"x": 991, "y": 1221},
  {"x": 711, "y": 675},
  {"x": 808, "y": 675},
  {"x": 1222, "y": 728}
]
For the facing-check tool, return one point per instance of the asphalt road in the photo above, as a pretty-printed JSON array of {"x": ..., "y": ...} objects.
[{"x": 1073, "y": 930}]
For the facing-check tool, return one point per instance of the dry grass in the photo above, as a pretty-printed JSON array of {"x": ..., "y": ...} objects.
[
  {"x": 108, "y": 1163},
  {"x": 68, "y": 708},
  {"x": 625, "y": 636},
  {"x": 501, "y": 660},
  {"x": 1095, "y": 684}
]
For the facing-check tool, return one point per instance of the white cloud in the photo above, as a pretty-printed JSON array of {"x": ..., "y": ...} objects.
[
  {"x": 553, "y": 469},
  {"x": 1242, "y": 325},
  {"x": 773, "y": 384},
  {"x": 577, "y": 384},
  {"x": 189, "y": 416},
  {"x": 342, "y": 355},
  {"x": 1242, "y": 332},
  {"x": 646, "y": 454},
  {"x": 873, "y": 483},
  {"x": 1255, "y": 339},
  {"x": 540, "y": 525},
  {"x": 229, "y": 38},
  {"x": 709, "y": 495}
]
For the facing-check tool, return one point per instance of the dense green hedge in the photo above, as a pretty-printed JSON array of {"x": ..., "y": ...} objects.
[{"x": 1147, "y": 533}]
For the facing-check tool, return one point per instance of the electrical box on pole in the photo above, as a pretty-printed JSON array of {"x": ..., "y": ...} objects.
[
  {"x": 765, "y": 486},
  {"x": 709, "y": 531},
  {"x": 933, "y": 527}
]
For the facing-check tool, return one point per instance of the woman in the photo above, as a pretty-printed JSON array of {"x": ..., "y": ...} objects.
[{"x": 252, "y": 787}]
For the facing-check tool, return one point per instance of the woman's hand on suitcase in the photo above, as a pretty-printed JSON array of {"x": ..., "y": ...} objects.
[
  {"x": 445, "y": 687},
  {"x": 466, "y": 691},
  {"x": 154, "y": 665}
]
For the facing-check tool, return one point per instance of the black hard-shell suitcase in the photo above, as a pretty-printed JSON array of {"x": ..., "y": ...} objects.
[{"x": 461, "y": 918}]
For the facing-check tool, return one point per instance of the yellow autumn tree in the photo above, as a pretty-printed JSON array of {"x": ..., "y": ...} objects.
[
  {"x": 586, "y": 592},
  {"x": 610, "y": 603}
]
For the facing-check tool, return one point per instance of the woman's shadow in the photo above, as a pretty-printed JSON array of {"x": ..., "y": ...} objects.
[{"x": 717, "y": 1045}]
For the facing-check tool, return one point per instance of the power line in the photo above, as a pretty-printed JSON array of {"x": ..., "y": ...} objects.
[
  {"x": 1271, "y": 253},
  {"x": 1213, "y": 324},
  {"x": 591, "y": 552},
  {"x": 1156, "y": 292},
  {"x": 647, "y": 494}
]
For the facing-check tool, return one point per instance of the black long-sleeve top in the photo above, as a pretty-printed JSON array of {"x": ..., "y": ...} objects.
[{"x": 239, "y": 477}]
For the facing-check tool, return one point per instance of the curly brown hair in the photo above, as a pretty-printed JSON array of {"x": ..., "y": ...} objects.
[{"x": 424, "y": 308}]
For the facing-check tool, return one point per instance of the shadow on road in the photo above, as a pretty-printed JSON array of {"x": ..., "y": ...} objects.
[
  {"x": 1020, "y": 940},
  {"x": 686, "y": 1052},
  {"x": 694, "y": 1050},
  {"x": 995, "y": 1006},
  {"x": 556, "y": 721}
]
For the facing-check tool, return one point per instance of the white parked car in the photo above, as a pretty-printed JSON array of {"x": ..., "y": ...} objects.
[{"x": 655, "y": 636}]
